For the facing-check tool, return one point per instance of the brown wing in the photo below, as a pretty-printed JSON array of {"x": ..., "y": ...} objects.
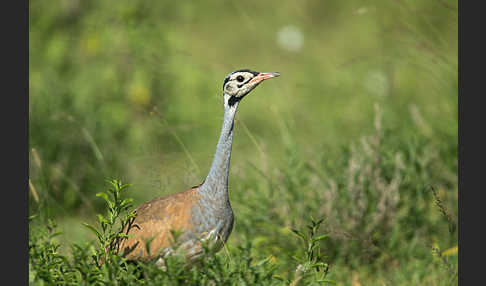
[{"x": 155, "y": 219}]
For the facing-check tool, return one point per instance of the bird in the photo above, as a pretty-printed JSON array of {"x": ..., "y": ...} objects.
[{"x": 201, "y": 213}]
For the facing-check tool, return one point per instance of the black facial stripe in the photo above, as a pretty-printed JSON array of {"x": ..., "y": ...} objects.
[
  {"x": 240, "y": 85},
  {"x": 226, "y": 79},
  {"x": 246, "y": 70},
  {"x": 232, "y": 100}
]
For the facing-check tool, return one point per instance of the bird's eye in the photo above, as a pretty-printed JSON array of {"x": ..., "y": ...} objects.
[{"x": 240, "y": 78}]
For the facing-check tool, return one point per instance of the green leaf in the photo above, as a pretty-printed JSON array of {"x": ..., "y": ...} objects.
[
  {"x": 261, "y": 262},
  {"x": 278, "y": 277},
  {"x": 320, "y": 237},
  {"x": 56, "y": 234},
  {"x": 92, "y": 229},
  {"x": 299, "y": 233},
  {"x": 101, "y": 218},
  {"x": 327, "y": 281},
  {"x": 319, "y": 264},
  {"x": 104, "y": 196},
  {"x": 147, "y": 244},
  {"x": 298, "y": 259}
]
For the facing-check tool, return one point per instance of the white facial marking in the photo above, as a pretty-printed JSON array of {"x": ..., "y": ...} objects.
[{"x": 239, "y": 84}]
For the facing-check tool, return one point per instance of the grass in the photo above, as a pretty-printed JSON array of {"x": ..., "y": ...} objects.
[
  {"x": 384, "y": 222},
  {"x": 105, "y": 266},
  {"x": 360, "y": 130}
]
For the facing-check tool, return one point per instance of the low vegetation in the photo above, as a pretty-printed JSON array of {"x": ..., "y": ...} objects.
[{"x": 378, "y": 212}]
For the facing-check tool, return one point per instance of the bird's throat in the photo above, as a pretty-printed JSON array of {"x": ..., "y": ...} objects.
[{"x": 215, "y": 187}]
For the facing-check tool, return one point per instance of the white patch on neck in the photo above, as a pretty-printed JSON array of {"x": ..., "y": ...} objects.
[{"x": 226, "y": 98}]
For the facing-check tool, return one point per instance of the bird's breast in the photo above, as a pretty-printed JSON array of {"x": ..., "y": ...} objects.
[{"x": 212, "y": 220}]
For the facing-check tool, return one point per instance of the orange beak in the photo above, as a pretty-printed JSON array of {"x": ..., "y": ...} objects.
[{"x": 263, "y": 76}]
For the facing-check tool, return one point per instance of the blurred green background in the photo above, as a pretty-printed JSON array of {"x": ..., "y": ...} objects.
[{"x": 133, "y": 90}]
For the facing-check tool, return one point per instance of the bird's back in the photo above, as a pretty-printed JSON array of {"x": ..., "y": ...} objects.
[{"x": 156, "y": 220}]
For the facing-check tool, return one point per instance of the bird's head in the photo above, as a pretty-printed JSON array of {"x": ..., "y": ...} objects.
[{"x": 239, "y": 83}]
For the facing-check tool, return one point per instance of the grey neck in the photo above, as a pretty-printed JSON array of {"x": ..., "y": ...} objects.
[{"x": 215, "y": 187}]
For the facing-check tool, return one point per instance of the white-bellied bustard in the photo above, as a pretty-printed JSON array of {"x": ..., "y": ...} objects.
[{"x": 202, "y": 212}]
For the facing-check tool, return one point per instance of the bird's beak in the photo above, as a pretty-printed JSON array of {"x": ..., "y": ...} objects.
[{"x": 263, "y": 76}]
